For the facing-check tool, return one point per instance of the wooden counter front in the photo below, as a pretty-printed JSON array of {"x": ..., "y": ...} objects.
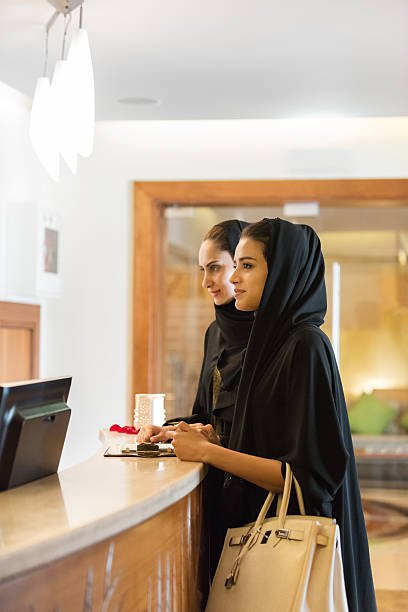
[{"x": 108, "y": 534}]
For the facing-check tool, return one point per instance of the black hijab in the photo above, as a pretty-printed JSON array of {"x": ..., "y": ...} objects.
[
  {"x": 290, "y": 404},
  {"x": 235, "y": 326},
  {"x": 294, "y": 295}
]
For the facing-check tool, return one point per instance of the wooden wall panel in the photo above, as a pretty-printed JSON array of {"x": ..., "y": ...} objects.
[
  {"x": 19, "y": 341},
  {"x": 15, "y": 354}
]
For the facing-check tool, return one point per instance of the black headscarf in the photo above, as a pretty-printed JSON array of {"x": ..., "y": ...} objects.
[
  {"x": 290, "y": 404},
  {"x": 232, "y": 229},
  {"x": 294, "y": 294}
]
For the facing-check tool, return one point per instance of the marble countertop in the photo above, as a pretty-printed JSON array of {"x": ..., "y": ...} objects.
[{"x": 60, "y": 514}]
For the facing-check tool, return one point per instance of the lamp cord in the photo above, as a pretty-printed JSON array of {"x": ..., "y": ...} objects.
[
  {"x": 48, "y": 27},
  {"x": 46, "y": 53},
  {"x": 67, "y": 22}
]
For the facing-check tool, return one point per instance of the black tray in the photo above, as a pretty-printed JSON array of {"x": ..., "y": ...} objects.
[{"x": 166, "y": 450}]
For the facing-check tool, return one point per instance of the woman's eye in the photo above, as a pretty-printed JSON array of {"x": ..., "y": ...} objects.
[
  {"x": 247, "y": 266},
  {"x": 214, "y": 268}
]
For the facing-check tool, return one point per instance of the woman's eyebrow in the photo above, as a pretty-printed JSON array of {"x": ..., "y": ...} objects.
[
  {"x": 210, "y": 263},
  {"x": 246, "y": 257}
]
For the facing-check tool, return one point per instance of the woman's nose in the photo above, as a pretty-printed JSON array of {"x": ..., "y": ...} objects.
[
  {"x": 206, "y": 281},
  {"x": 232, "y": 278}
]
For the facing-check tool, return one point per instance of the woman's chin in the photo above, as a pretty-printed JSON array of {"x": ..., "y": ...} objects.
[
  {"x": 223, "y": 301},
  {"x": 240, "y": 306}
]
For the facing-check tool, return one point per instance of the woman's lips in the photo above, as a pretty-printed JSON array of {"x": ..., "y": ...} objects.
[{"x": 238, "y": 292}]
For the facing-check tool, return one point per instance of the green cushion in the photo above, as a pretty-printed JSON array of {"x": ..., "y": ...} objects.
[
  {"x": 404, "y": 421},
  {"x": 369, "y": 415}
]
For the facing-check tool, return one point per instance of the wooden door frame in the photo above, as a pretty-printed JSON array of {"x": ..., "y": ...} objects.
[{"x": 149, "y": 202}]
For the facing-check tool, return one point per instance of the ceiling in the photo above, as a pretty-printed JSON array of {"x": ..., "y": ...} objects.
[{"x": 225, "y": 59}]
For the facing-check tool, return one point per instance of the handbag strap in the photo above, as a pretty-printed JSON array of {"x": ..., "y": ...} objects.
[
  {"x": 256, "y": 530},
  {"x": 284, "y": 500},
  {"x": 299, "y": 496}
]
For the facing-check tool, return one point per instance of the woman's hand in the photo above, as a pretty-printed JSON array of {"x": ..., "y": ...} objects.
[
  {"x": 208, "y": 431},
  {"x": 190, "y": 443},
  {"x": 193, "y": 444},
  {"x": 154, "y": 433}
]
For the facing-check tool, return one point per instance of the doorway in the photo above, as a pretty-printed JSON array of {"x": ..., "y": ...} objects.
[{"x": 147, "y": 352}]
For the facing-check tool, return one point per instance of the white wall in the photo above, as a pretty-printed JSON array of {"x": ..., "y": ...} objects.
[{"x": 86, "y": 330}]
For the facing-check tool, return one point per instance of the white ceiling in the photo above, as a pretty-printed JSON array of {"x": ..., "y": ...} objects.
[{"x": 226, "y": 59}]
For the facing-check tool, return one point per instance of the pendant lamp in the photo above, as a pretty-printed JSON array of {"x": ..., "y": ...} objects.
[
  {"x": 62, "y": 118},
  {"x": 61, "y": 98},
  {"x": 42, "y": 128},
  {"x": 83, "y": 99}
]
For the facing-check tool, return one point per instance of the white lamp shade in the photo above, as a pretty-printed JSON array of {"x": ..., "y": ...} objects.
[
  {"x": 80, "y": 62},
  {"x": 62, "y": 94},
  {"x": 42, "y": 128}
]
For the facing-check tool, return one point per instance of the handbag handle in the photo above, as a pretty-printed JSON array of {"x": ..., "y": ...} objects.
[
  {"x": 285, "y": 496},
  {"x": 256, "y": 530}
]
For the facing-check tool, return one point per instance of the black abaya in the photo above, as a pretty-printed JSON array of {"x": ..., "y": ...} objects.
[
  {"x": 290, "y": 403},
  {"x": 224, "y": 348}
]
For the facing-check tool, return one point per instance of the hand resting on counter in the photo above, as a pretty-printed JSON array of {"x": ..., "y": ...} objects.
[
  {"x": 155, "y": 433},
  {"x": 190, "y": 441}
]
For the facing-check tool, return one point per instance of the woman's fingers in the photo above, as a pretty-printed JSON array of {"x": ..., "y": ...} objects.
[
  {"x": 164, "y": 436},
  {"x": 208, "y": 431},
  {"x": 155, "y": 433},
  {"x": 146, "y": 431},
  {"x": 182, "y": 426}
]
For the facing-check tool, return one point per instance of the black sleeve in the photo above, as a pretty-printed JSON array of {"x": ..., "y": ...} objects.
[
  {"x": 190, "y": 418},
  {"x": 316, "y": 449},
  {"x": 199, "y": 412}
]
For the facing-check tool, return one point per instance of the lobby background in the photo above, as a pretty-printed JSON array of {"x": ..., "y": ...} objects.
[{"x": 86, "y": 329}]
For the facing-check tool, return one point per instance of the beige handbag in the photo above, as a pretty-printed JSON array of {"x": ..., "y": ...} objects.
[{"x": 285, "y": 564}]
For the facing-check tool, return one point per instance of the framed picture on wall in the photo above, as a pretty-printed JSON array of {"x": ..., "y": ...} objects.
[
  {"x": 48, "y": 255},
  {"x": 30, "y": 252}
]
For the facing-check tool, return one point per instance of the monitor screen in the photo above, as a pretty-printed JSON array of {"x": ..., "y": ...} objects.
[{"x": 34, "y": 417}]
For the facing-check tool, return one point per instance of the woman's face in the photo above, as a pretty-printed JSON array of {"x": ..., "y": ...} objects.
[
  {"x": 250, "y": 274},
  {"x": 217, "y": 267}
]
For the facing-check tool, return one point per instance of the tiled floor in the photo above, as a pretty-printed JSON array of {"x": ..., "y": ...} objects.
[{"x": 386, "y": 514}]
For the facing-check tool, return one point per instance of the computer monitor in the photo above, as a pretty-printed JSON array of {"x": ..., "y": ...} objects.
[{"x": 34, "y": 417}]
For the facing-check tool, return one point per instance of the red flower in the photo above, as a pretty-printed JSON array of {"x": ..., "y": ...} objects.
[{"x": 126, "y": 429}]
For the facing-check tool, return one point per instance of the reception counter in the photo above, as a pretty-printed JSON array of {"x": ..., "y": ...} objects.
[{"x": 111, "y": 533}]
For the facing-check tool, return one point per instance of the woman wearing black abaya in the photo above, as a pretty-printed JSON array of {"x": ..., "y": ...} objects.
[
  {"x": 225, "y": 339},
  {"x": 290, "y": 406},
  {"x": 224, "y": 345}
]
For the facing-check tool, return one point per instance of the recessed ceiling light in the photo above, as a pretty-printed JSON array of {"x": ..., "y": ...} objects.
[{"x": 140, "y": 101}]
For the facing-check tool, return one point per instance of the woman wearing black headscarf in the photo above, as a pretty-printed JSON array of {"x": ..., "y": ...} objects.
[
  {"x": 227, "y": 337},
  {"x": 225, "y": 340},
  {"x": 224, "y": 347},
  {"x": 290, "y": 406}
]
